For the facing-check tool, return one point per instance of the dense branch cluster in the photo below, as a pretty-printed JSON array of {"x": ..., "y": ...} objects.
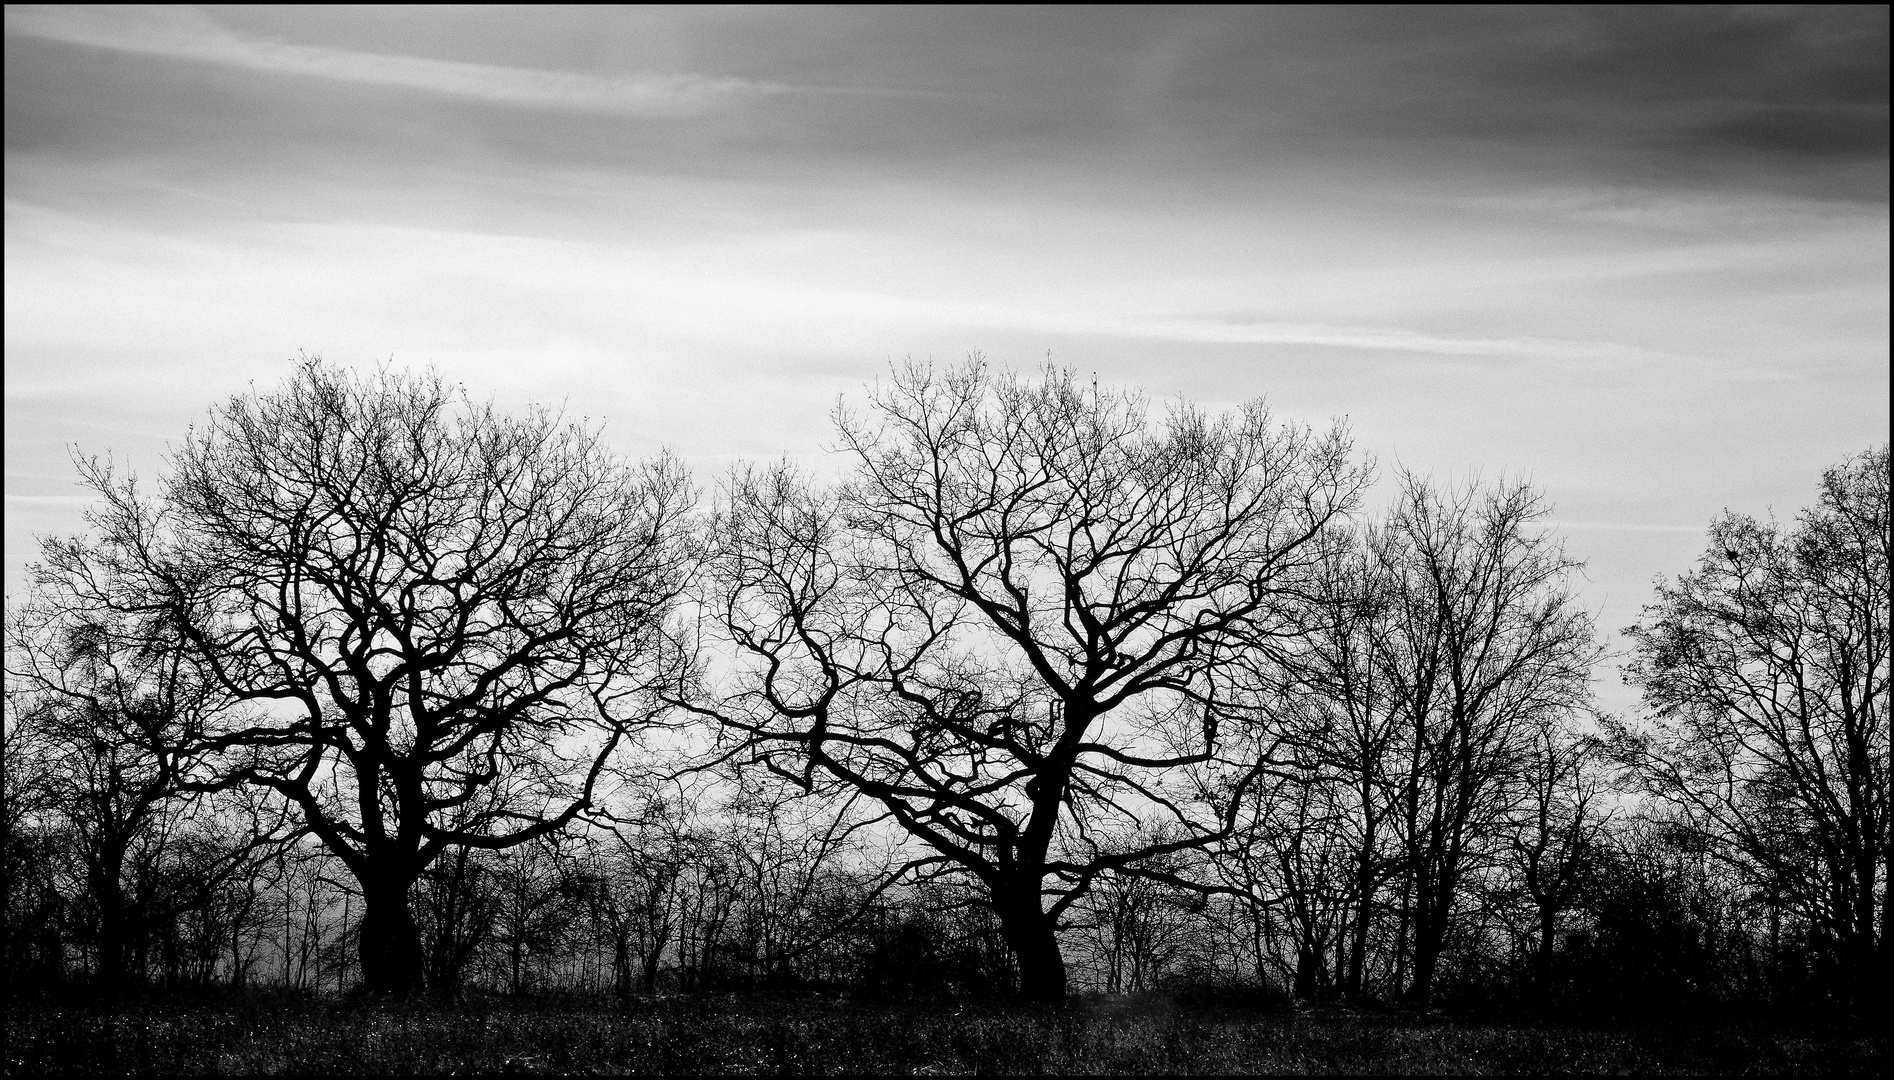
[{"x": 382, "y": 688}]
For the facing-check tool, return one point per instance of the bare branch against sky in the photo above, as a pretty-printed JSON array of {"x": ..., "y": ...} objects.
[{"x": 1639, "y": 255}]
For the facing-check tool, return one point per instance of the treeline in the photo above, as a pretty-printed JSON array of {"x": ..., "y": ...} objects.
[
  {"x": 1650, "y": 926},
  {"x": 380, "y": 689}
]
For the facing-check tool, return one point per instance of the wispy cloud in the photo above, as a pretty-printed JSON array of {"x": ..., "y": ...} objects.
[
  {"x": 1212, "y": 330},
  {"x": 56, "y": 501},
  {"x": 1623, "y": 526},
  {"x": 186, "y": 34},
  {"x": 1380, "y": 339}
]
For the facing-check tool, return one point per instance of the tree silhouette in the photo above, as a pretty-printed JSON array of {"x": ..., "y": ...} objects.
[
  {"x": 448, "y": 618},
  {"x": 1487, "y": 649},
  {"x": 1012, "y": 626},
  {"x": 1767, "y": 669},
  {"x": 108, "y": 726}
]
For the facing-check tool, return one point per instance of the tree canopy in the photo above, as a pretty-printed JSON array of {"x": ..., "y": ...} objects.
[{"x": 448, "y": 618}]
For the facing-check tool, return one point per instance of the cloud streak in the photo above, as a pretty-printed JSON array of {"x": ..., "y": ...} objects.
[
  {"x": 1376, "y": 339},
  {"x": 1623, "y": 526},
  {"x": 184, "y": 34}
]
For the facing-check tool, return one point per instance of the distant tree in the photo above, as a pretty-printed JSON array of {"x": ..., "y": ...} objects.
[
  {"x": 936, "y": 938},
  {"x": 536, "y": 901},
  {"x": 706, "y": 897},
  {"x": 1556, "y": 837},
  {"x": 1664, "y": 927},
  {"x": 1766, "y": 671},
  {"x": 1010, "y": 626},
  {"x": 108, "y": 722},
  {"x": 803, "y": 873},
  {"x": 457, "y": 910},
  {"x": 432, "y": 605},
  {"x": 1437, "y": 648},
  {"x": 1292, "y": 855},
  {"x": 1136, "y": 930},
  {"x": 631, "y": 876},
  {"x": 193, "y": 886},
  {"x": 34, "y": 911}
]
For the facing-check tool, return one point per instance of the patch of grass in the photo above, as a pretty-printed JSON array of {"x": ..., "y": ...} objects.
[{"x": 279, "y": 1034}]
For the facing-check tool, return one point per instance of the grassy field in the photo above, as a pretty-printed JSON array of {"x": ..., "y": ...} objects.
[{"x": 275, "y": 1035}]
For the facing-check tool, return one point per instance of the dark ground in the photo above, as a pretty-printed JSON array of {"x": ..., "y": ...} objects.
[{"x": 277, "y": 1033}]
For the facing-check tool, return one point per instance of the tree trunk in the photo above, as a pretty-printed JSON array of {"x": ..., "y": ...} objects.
[
  {"x": 1308, "y": 965},
  {"x": 1358, "y": 939},
  {"x": 1863, "y": 948},
  {"x": 392, "y": 962},
  {"x": 621, "y": 966},
  {"x": 114, "y": 941},
  {"x": 651, "y": 960},
  {"x": 1035, "y": 944},
  {"x": 1542, "y": 963},
  {"x": 1430, "y": 931},
  {"x": 1364, "y": 892}
]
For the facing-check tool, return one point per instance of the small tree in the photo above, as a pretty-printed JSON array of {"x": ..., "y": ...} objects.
[
  {"x": 107, "y": 727},
  {"x": 535, "y": 903},
  {"x": 450, "y": 618},
  {"x": 35, "y": 913},
  {"x": 1555, "y": 840},
  {"x": 1137, "y": 930},
  {"x": 1011, "y": 627},
  {"x": 632, "y": 885},
  {"x": 458, "y": 910},
  {"x": 1766, "y": 672}
]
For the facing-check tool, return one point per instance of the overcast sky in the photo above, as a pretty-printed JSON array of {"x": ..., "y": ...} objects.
[{"x": 1639, "y": 255}]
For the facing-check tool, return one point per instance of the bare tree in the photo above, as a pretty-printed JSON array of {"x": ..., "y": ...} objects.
[
  {"x": 109, "y": 716},
  {"x": 1296, "y": 856},
  {"x": 706, "y": 905},
  {"x": 1337, "y": 704},
  {"x": 536, "y": 901},
  {"x": 1137, "y": 929},
  {"x": 1766, "y": 671},
  {"x": 1433, "y": 644},
  {"x": 632, "y": 881},
  {"x": 433, "y": 604},
  {"x": 1553, "y": 846},
  {"x": 193, "y": 885},
  {"x": 34, "y": 910},
  {"x": 805, "y": 871},
  {"x": 458, "y": 910},
  {"x": 1009, "y": 626},
  {"x": 1484, "y": 644}
]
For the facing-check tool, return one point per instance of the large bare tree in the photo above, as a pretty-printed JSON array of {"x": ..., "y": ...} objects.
[
  {"x": 1767, "y": 674},
  {"x": 1011, "y": 625},
  {"x": 448, "y": 618}
]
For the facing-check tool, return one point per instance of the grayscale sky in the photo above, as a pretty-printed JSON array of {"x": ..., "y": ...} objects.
[{"x": 1639, "y": 255}]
